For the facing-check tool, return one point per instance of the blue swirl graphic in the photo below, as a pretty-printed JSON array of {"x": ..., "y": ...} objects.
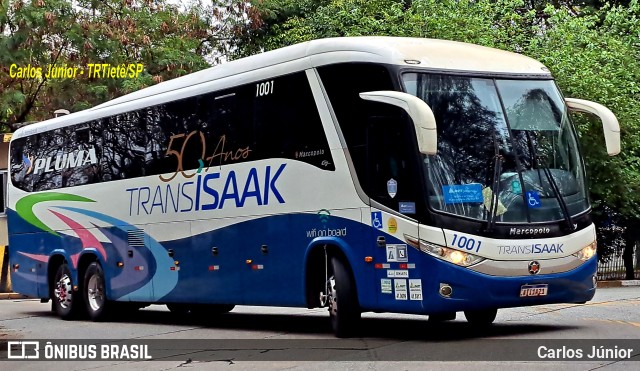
[{"x": 160, "y": 284}]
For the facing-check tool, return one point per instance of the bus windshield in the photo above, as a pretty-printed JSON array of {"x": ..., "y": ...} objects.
[{"x": 507, "y": 151}]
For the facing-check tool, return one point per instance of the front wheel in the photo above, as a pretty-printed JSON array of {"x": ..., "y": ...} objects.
[
  {"x": 483, "y": 317},
  {"x": 95, "y": 293},
  {"x": 343, "y": 300},
  {"x": 65, "y": 303}
]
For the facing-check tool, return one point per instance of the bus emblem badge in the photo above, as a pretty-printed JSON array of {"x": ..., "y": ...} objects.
[{"x": 534, "y": 267}]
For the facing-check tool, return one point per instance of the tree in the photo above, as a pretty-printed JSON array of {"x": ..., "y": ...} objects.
[{"x": 167, "y": 40}]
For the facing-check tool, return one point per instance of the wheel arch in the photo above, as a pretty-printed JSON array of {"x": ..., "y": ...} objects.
[
  {"x": 83, "y": 262},
  {"x": 315, "y": 263},
  {"x": 55, "y": 261}
]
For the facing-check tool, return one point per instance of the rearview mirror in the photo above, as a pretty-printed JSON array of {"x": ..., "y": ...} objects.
[
  {"x": 610, "y": 124},
  {"x": 420, "y": 112}
]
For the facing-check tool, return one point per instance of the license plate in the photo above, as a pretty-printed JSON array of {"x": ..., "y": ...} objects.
[{"x": 533, "y": 290}]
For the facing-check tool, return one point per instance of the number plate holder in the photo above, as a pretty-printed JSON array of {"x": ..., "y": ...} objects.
[{"x": 527, "y": 291}]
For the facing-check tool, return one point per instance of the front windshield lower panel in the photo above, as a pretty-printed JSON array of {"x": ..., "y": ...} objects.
[{"x": 507, "y": 151}]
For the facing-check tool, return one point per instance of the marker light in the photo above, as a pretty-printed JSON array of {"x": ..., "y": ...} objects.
[
  {"x": 587, "y": 252},
  {"x": 457, "y": 257}
]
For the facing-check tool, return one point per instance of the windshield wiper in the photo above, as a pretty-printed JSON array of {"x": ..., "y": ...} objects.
[{"x": 556, "y": 191}]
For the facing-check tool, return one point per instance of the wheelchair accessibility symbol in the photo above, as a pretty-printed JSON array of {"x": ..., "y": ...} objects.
[
  {"x": 533, "y": 199},
  {"x": 376, "y": 219}
]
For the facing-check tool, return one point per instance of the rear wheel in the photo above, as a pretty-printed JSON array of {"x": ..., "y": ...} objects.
[
  {"x": 483, "y": 317},
  {"x": 343, "y": 301},
  {"x": 95, "y": 293},
  {"x": 65, "y": 303}
]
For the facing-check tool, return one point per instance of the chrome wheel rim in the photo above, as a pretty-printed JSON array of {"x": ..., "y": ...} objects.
[
  {"x": 95, "y": 292},
  {"x": 63, "y": 291},
  {"x": 333, "y": 299}
]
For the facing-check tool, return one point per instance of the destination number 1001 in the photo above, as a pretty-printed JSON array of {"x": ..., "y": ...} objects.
[{"x": 465, "y": 243}]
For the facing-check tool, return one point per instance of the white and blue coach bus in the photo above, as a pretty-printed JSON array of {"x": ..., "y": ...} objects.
[{"x": 359, "y": 174}]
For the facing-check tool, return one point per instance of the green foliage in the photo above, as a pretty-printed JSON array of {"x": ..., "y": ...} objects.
[
  {"x": 169, "y": 42},
  {"x": 595, "y": 57}
]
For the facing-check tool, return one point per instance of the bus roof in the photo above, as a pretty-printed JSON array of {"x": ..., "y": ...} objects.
[{"x": 432, "y": 54}]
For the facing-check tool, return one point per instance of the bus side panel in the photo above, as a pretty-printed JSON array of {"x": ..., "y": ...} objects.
[
  {"x": 28, "y": 278},
  {"x": 257, "y": 261},
  {"x": 30, "y": 251},
  {"x": 210, "y": 263},
  {"x": 131, "y": 281},
  {"x": 278, "y": 277}
]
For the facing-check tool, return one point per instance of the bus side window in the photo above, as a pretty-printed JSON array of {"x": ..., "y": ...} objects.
[
  {"x": 123, "y": 145},
  {"x": 344, "y": 83},
  {"x": 20, "y": 164},
  {"x": 287, "y": 123},
  {"x": 379, "y": 137},
  {"x": 390, "y": 176}
]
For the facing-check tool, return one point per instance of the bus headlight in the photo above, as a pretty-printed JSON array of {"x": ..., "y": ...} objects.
[
  {"x": 587, "y": 252},
  {"x": 456, "y": 257}
]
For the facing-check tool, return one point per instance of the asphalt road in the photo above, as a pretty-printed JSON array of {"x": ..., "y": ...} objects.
[{"x": 294, "y": 338}]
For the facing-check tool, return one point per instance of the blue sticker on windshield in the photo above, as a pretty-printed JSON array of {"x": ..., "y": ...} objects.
[
  {"x": 407, "y": 207},
  {"x": 463, "y": 193},
  {"x": 533, "y": 199}
]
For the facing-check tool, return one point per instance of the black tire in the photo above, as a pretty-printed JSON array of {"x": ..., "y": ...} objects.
[
  {"x": 66, "y": 303},
  {"x": 483, "y": 317},
  {"x": 95, "y": 297},
  {"x": 343, "y": 301}
]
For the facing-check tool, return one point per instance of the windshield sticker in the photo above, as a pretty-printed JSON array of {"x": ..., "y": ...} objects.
[
  {"x": 487, "y": 195},
  {"x": 392, "y": 187},
  {"x": 407, "y": 207},
  {"x": 462, "y": 193},
  {"x": 516, "y": 187},
  {"x": 533, "y": 199}
]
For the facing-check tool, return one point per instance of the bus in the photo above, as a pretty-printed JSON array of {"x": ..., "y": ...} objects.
[{"x": 359, "y": 174}]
